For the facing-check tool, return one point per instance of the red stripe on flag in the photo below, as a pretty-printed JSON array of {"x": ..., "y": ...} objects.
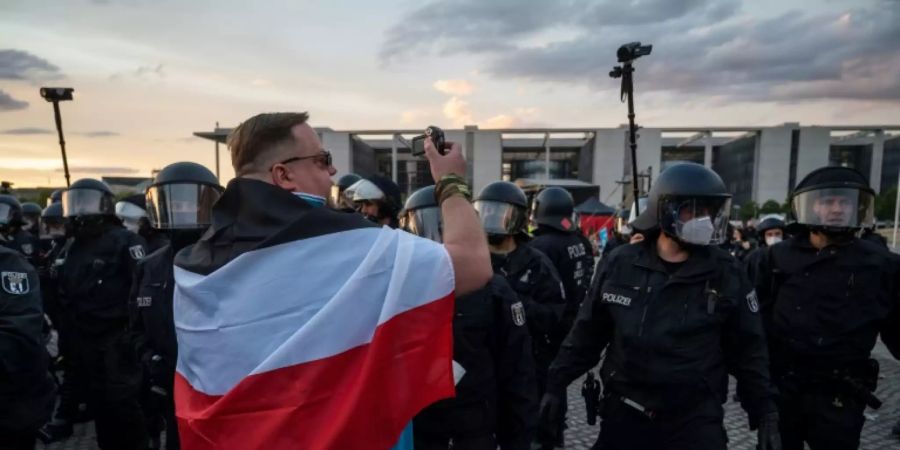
[{"x": 358, "y": 399}]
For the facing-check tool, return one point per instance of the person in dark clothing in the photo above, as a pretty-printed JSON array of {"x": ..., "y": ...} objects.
[
  {"x": 27, "y": 390},
  {"x": 501, "y": 207},
  {"x": 31, "y": 218},
  {"x": 496, "y": 402},
  {"x": 675, "y": 315},
  {"x": 132, "y": 211},
  {"x": 377, "y": 198},
  {"x": 12, "y": 236},
  {"x": 826, "y": 296},
  {"x": 95, "y": 279},
  {"x": 770, "y": 232},
  {"x": 180, "y": 204},
  {"x": 869, "y": 234}
]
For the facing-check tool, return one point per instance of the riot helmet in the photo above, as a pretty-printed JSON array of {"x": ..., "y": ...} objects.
[
  {"x": 182, "y": 196},
  {"x": 55, "y": 197},
  {"x": 689, "y": 203},
  {"x": 31, "y": 217},
  {"x": 422, "y": 215},
  {"x": 765, "y": 227},
  {"x": 130, "y": 211},
  {"x": 379, "y": 191},
  {"x": 52, "y": 222},
  {"x": 835, "y": 200},
  {"x": 337, "y": 197},
  {"x": 553, "y": 207},
  {"x": 88, "y": 197},
  {"x": 501, "y": 207},
  {"x": 10, "y": 211}
]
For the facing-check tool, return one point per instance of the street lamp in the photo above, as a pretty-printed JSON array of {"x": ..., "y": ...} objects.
[{"x": 55, "y": 95}]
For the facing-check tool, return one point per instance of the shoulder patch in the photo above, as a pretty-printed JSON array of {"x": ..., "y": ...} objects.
[
  {"x": 15, "y": 283},
  {"x": 518, "y": 313},
  {"x": 753, "y": 301},
  {"x": 136, "y": 251}
]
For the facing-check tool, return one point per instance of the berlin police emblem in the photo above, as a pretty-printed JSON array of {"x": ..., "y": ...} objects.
[
  {"x": 137, "y": 252},
  {"x": 753, "y": 301},
  {"x": 518, "y": 313},
  {"x": 15, "y": 283}
]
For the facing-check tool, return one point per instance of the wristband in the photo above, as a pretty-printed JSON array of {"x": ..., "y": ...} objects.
[{"x": 450, "y": 185}]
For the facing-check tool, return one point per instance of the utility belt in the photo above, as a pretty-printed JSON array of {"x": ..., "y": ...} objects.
[
  {"x": 653, "y": 403},
  {"x": 858, "y": 379}
]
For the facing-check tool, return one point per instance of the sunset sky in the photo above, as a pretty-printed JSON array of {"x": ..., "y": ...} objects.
[{"x": 149, "y": 73}]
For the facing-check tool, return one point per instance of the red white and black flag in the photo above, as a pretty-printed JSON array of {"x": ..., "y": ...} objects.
[{"x": 314, "y": 340}]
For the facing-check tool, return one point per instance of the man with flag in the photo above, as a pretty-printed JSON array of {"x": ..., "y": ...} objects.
[{"x": 303, "y": 327}]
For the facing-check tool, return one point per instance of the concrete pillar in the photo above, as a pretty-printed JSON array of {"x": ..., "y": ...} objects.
[
  {"x": 487, "y": 159},
  {"x": 773, "y": 165},
  {"x": 877, "y": 160},
  {"x": 339, "y": 146},
  {"x": 707, "y": 150},
  {"x": 609, "y": 164},
  {"x": 812, "y": 153},
  {"x": 649, "y": 151}
]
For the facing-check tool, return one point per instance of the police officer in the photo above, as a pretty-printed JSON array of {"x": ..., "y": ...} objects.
[
  {"x": 31, "y": 218},
  {"x": 826, "y": 296},
  {"x": 12, "y": 236},
  {"x": 179, "y": 205},
  {"x": 496, "y": 402},
  {"x": 55, "y": 197},
  {"x": 132, "y": 211},
  {"x": 770, "y": 231},
  {"x": 27, "y": 390},
  {"x": 377, "y": 198},
  {"x": 675, "y": 315},
  {"x": 337, "y": 198},
  {"x": 569, "y": 251},
  {"x": 501, "y": 207},
  {"x": 95, "y": 280}
]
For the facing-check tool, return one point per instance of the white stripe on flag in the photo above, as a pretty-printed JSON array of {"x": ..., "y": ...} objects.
[{"x": 300, "y": 301}]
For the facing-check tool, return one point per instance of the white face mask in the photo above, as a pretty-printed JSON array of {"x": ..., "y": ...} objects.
[
  {"x": 772, "y": 240},
  {"x": 697, "y": 231}
]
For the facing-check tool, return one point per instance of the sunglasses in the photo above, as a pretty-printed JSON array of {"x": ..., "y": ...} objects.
[{"x": 323, "y": 158}]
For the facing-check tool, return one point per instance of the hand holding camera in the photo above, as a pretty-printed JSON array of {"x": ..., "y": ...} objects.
[{"x": 444, "y": 157}]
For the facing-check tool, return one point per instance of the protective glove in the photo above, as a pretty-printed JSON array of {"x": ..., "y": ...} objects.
[
  {"x": 768, "y": 436},
  {"x": 549, "y": 419}
]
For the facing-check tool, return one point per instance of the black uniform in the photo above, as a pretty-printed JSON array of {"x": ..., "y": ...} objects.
[
  {"x": 824, "y": 310},
  {"x": 495, "y": 401},
  {"x": 95, "y": 281},
  {"x": 534, "y": 279},
  {"x": 671, "y": 339},
  {"x": 27, "y": 390},
  {"x": 153, "y": 327},
  {"x": 572, "y": 256},
  {"x": 23, "y": 242}
]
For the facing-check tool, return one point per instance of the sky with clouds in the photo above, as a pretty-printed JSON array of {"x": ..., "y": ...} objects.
[{"x": 148, "y": 73}]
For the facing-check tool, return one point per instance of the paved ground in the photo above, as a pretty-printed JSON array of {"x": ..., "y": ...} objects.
[{"x": 876, "y": 434}]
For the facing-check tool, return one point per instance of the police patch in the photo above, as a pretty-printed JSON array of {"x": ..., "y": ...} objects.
[
  {"x": 609, "y": 297},
  {"x": 136, "y": 251},
  {"x": 144, "y": 302},
  {"x": 15, "y": 283},
  {"x": 752, "y": 301},
  {"x": 518, "y": 313}
]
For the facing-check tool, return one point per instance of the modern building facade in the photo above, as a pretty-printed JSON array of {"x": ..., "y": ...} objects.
[{"x": 757, "y": 163}]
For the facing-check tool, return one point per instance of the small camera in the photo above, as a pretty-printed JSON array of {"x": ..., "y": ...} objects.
[
  {"x": 56, "y": 94},
  {"x": 633, "y": 50},
  {"x": 437, "y": 137}
]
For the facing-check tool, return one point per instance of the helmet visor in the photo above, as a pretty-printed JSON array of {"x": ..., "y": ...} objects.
[
  {"x": 499, "y": 217},
  {"x": 363, "y": 190},
  {"x": 181, "y": 205},
  {"x": 424, "y": 222},
  {"x": 87, "y": 202},
  {"x": 696, "y": 220},
  {"x": 6, "y": 213},
  {"x": 835, "y": 207}
]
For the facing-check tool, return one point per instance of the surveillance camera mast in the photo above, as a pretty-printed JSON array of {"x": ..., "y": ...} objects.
[{"x": 627, "y": 54}]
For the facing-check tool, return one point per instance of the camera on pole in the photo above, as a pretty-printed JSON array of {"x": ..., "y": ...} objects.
[
  {"x": 626, "y": 55},
  {"x": 55, "y": 95}
]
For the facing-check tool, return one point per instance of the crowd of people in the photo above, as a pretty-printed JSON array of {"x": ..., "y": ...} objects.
[{"x": 679, "y": 300}]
